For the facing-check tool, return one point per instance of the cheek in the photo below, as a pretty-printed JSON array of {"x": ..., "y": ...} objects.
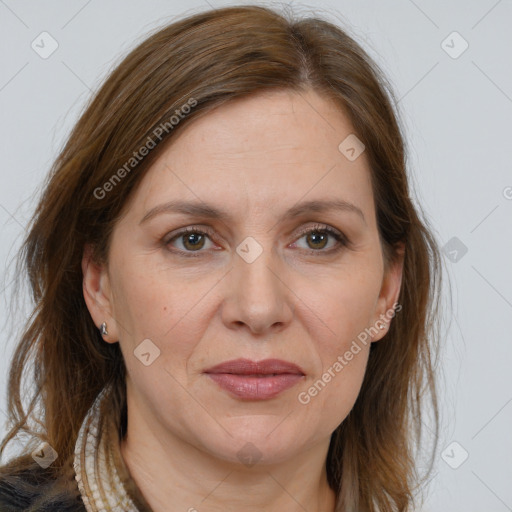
[
  {"x": 342, "y": 342},
  {"x": 164, "y": 307},
  {"x": 149, "y": 301},
  {"x": 327, "y": 399},
  {"x": 343, "y": 307}
]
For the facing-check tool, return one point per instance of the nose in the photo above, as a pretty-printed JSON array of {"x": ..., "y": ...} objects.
[{"x": 256, "y": 295}]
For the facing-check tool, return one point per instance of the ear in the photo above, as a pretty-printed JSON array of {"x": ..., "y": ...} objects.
[
  {"x": 97, "y": 294},
  {"x": 388, "y": 297}
]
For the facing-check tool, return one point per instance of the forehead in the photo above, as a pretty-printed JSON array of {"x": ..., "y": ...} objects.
[{"x": 253, "y": 154}]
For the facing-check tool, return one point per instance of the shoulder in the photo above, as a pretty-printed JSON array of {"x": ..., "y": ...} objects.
[{"x": 34, "y": 489}]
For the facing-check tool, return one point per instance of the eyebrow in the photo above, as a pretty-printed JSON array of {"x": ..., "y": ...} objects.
[{"x": 201, "y": 209}]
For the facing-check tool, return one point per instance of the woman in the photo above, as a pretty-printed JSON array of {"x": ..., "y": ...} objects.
[{"x": 235, "y": 295}]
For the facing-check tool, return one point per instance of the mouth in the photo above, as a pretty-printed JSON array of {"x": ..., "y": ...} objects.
[{"x": 256, "y": 380}]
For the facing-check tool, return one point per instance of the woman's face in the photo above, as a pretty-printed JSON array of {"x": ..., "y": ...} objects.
[{"x": 248, "y": 282}]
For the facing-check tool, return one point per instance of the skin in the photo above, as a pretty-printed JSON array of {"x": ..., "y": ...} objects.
[{"x": 255, "y": 158}]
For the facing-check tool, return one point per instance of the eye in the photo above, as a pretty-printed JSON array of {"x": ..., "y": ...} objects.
[
  {"x": 317, "y": 238},
  {"x": 191, "y": 239}
]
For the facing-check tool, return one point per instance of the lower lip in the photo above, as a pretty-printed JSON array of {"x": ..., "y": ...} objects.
[{"x": 255, "y": 388}]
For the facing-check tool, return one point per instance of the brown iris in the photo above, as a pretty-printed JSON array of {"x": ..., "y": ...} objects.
[
  {"x": 316, "y": 235},
  {"x": 193, "y": 238}
]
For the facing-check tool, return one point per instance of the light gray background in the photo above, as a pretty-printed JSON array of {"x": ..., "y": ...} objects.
[{"x": 457, "y": 114}]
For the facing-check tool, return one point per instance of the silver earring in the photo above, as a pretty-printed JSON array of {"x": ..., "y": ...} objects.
[
  {"x": 382, "y": 326},
  {"x": 103, "y": 329}
]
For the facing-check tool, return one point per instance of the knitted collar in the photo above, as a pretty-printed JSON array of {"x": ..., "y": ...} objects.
[{"x": 98, "y": 464}]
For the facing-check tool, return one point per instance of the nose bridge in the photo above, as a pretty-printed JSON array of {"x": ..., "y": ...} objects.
[
  {"x": 257, "y": 296},
  {"x": 254, "y": 270}
]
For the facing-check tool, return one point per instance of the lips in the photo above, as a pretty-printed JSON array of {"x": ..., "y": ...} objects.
[
  {"x": 256, "y": 380},
  {"x": 264, "y": 367}
]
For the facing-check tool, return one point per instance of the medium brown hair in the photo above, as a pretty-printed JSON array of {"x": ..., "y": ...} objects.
[{"x": 215, "y": 57}]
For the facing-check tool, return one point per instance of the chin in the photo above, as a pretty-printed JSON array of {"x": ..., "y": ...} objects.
[{"x": 257, "y": 439}]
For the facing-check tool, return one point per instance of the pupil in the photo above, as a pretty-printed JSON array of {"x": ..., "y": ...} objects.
[
  {"x": 190, "y": 239},
  {"x": 315, "y": 236}
]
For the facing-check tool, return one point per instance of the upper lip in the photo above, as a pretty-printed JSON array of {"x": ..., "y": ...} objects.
[{"x": 263, "y": 367}]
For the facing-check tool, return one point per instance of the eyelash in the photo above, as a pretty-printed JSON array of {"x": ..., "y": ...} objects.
[{"x": 322, "y": 229}]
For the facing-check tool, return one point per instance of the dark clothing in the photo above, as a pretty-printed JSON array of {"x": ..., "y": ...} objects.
[
  {"x": 26, "y": 486},
  {"x": 33, "y": 490}
]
